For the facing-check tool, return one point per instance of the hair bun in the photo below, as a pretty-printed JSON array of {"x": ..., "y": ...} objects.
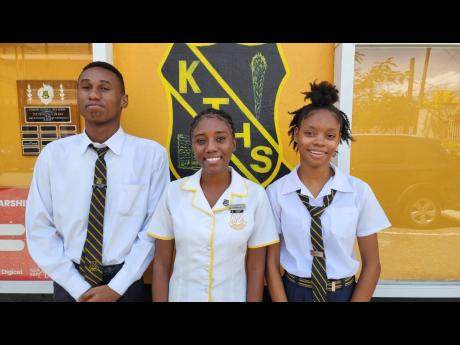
[{"x": 322, "y": 94}]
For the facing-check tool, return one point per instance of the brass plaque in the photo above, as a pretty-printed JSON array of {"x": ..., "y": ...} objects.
[{"x": 47, "y": 111}]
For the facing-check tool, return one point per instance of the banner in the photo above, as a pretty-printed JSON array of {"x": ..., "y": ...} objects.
[{"x": 15, "y": 261}]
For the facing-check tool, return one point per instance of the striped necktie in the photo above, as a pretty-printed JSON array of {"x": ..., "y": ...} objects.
[
  {"x": 318, "y": 269},
  {"x": 91, "y": 257}
]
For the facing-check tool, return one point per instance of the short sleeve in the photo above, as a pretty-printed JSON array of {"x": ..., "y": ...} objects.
[
  {"x": 275, "y": 207},
  {"x": 264, "y": 232},
  {"x": 160, "y": 226},
  {"x": 372, "y": 218}
]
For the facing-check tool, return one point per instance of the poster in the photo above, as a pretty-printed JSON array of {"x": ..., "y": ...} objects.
[{"x": 15, "y": 261}]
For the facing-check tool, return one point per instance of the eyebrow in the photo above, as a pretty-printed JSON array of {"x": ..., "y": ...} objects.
[
  {"x": 329, "y": 129},
  {"x": 202, "y": 133},
  {"x": 102, "y": 81}
]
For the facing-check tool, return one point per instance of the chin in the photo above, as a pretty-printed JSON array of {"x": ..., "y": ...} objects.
[
  {"x": 316, "y": 163},
  {"x": 215, "y": 169}
]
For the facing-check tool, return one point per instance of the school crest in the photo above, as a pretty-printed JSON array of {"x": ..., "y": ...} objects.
[
  {"x": 45, "y": 94},
  {"x": 242, "y": 79}
]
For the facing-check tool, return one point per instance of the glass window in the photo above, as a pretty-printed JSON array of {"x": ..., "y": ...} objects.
[
  {"x": 37, "y": 105},
  {"x": 406, "y": 121}
]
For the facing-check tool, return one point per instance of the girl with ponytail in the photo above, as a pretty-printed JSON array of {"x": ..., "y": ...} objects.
[{"x": 320, "y": 211}]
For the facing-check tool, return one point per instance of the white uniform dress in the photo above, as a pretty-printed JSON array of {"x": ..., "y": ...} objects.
[
  {"x": 354, "y": 212},
  {"x": 211, "y": 244}
]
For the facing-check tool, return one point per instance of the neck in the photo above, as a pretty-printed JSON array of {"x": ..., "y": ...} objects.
[
  {"x": 215, "y": 180},
  {"x": 314, "y": 178},
  {"x": 101, "y": 134}
]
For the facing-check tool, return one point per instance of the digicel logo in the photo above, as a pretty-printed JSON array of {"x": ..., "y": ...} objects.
[{"x": 11, "y": 230}]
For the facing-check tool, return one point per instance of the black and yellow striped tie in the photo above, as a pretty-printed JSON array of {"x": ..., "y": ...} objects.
[
  {"x": 91, "y": 257},
  {"x": 318, "y": 269}
]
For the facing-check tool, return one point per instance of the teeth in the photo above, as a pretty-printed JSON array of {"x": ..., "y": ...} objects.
[
  {"x": 317, "y": 152},
  {"x": 214, "y": 159}
]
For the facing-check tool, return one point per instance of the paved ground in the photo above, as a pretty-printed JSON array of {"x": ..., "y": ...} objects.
[{"x": 412, "y": 254}]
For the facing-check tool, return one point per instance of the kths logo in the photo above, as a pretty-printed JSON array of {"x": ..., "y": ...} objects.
[{"x": 242, "y": 79}]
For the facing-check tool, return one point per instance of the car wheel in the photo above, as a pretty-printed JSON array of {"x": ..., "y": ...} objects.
[{"x": 422, "y": 212}]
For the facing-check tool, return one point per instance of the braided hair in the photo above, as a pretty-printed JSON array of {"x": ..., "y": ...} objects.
[
  {"x": 212, "y": 113},
  {"x": 322, "y": 96}
]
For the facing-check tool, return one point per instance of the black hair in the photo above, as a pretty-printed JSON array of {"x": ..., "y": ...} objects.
[
  {"x": 215, "y": 113},
  {"x": 108, "y": 67},
  {"x": 322, "y": 96}
]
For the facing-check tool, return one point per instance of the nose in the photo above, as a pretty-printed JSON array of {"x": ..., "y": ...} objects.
[
  {"x": 94, "y": 94},
  {"x": 320, "y": 140},
  {"x": 211, "y": 147}
]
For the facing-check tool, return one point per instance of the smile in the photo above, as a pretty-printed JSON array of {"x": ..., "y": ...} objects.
[
  {"x": 213, "y": 159},
  {"x": 317, "y": 153}
]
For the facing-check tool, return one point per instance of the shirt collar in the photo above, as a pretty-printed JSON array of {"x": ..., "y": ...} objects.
[
  {"x": 339, "y": 182},
  {"x": 238, "y": 188},
  {"x": 115, "y": 142}
]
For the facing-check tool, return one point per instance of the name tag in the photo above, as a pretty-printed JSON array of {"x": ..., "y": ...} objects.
[{"x": 237, "y": 208}]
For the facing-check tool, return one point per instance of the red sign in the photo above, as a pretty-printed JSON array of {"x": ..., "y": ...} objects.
[{"x": 15, "y": 261}]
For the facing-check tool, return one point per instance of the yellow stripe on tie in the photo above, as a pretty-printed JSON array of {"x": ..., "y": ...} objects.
[
  {"x": 96, "y": 249},
  {"x": 316, "y": 241},
  {"x": 95, "y": 197},
  {"x": 100, "y": 171},
  {"x": 92, "y": 235},
  {"x": 88, "y": 252},
  {"x": 97, "y": 210},
  {"x": 89, "y": 222}
]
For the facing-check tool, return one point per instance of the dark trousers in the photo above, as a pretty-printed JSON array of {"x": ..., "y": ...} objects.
[
  {"x": 137, "y": 292},
  {"x": 296, "y": 293}
]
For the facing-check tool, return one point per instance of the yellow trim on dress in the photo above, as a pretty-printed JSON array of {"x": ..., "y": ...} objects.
[
  {"x": 159, "y": 237},
  {"x": 211, "y": 260},
  {"x": 264, "y": 245},
  {"x": 193, "y": 198}
]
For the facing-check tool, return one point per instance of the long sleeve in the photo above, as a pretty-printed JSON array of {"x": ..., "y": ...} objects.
[
  {"x": 44, "y": 242},
  {"x": 142, "y": 251}
]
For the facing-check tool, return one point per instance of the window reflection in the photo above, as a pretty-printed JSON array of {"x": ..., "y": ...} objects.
[{"x": 406, "y": 119}]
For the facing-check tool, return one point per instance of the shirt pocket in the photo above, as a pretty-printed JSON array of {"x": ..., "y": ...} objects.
[
  {"x": 132, "y": 199},
  {"x": 344, "y": 221}
]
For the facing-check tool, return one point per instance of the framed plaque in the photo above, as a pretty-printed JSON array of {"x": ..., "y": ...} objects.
[{"x": 47, "y": 111}]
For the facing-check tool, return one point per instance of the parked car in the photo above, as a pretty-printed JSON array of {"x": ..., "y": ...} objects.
[{"x": 414, "y": 178}]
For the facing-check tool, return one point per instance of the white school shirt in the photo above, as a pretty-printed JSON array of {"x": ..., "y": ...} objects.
[
  {"x": 354, "y": 212},
  {"x": 210, "y": 254},
  {"x": 59, "y": 201}
]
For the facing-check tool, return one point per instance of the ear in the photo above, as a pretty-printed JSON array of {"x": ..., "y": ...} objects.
[
  {"x": 234, "y": 145},
  {"x": 124, "y": 101}
]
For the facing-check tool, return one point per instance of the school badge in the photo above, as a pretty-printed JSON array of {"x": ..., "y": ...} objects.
[
  {"x": 237, "y": 220},
  {"x": 242, "y": 79},
  {"x": 45, "y": 94}
]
